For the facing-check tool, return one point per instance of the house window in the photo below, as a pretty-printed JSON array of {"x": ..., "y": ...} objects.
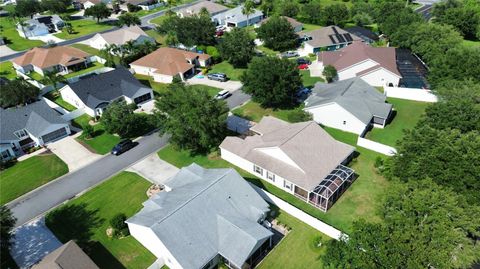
[
  {"x": 271, "y": 176},
  {"x": 258, "y": 170},
  {"x": 287, "y": 185},
  {"x": 21, "y": 133},
  {"x": 5, "y": 155}
]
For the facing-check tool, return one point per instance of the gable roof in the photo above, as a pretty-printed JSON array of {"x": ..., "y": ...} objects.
[
  {"x": 123, "y": 35},
  {"x": 35, "y": 118},
  {"x": 358, "y": 52},
  {"x": 106, "y": 87},
  {"x": 328, "y": 36},
  {"x": 293, "y": 22},
  {"x": 235, "y": 15},
  {"x": 68, "y": 256},
  {"x": 46, "y": 57},
  {"x": 310, "y": 153},
  {"x": 207, "y": 212},
  {"x": 212, "y": 8},
  {"x": 354, "y": 95}
]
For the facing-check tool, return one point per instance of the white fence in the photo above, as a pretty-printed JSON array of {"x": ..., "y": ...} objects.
[
  {"x": 150, "y": 7},
  {"x": 411, "y": 94},
  {"x": 375, "y": 146},
  {"x": 299, "y": 214},
  {"x": 55, "y": 106}
]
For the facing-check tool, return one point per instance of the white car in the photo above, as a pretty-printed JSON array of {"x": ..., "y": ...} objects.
[{"x": 222, "y": 95}]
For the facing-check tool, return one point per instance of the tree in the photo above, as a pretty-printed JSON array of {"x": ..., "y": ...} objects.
[
  {"x": 195, "y": 120},
  {"x": 289, "y": 9},
  {"x": 18, "y": 92},
  {"x": 69, "y": 28},
  {"x": 25, "y": 8},
  {"x": 118, "y": 224},
  {"x": 129, "y": 19},
  {"x": 311, "y": 13},
  {"x": 278, "y": 34},
  {"x": 106, "y": 53},
  {"x": 204, "y": 12},
  {"x": 52, "y": 78},
  {"x": 189, "y": 31},
  {"x": 404, "y": 17},
  {"x": 237, "y": 47},
  {"x": 248, "y": 9},
  {"x": 424, "y": 226},
  {"x": 119, "y": 119},
  {"x": 272, "y": 82},
  {"x": 56, "y": 6},
  {"x": 362, "y": 19},
  {"x": 336, "y": 14},
  {"x": 458, "y": 63},
  {"x": 330, "y": 73},
  {"x": 88, "y": 131},
  {"x": 7, "y": 223},
  {"x": 267, "y": 7},
  {"x": 98, "y": 11},
  {"x": 464, "y": 18}
]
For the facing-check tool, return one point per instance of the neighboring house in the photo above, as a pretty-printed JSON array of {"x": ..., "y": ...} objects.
[
  {"x": 94, "y": 94},
  {"x": 165, "y": 63},
  {"x": 68, "y": 256},
  {"x": 327, "y": 39},
  {"x": 120, "y": 37},
  {"x": 350, "y": 105},
  {"x": 376, "y": 65},
  {"x": 212, "y": 8},
  {"x": 367, "y": 35},
  {"x": 208, "y": 216},
  {"x": 145, "y": 4},
  {"x": 296, "y": 25},
  {"x": 235, "y": 18},
  {"x": 84, "y": 4},
  {"x": 300, "y": 158},
  {"x": 32, "y": 125},
  {"x": 40, "y": 25},
  {"x": 60, "y": 59}
]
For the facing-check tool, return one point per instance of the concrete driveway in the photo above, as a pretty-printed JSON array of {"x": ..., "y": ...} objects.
[
  {"x": 316, "y": 69},
  {"x": 230, "y": 85},
  {"x": 154, "y": 169},
  {"x": 72, "y": 153},
  {"x": 32, "y": 242}
]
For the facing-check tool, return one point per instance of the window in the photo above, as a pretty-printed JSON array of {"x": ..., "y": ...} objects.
[
  {"x": 5, "y": 155},
  {"x": 287, "y": 185},
  {"x": 21, "y": 133},
  {"x": 258, "y": 170},
  {"x": 271, "y": 176},
  {"x": 344, "y": 122}
]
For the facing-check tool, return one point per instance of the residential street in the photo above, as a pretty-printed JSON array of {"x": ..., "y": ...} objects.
[
  {"x": 237, "y": 99},
  {"x": 47, "y": 197}
]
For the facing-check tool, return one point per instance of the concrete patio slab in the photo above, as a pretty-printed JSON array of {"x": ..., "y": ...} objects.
[{"x": 154, "y": 169}]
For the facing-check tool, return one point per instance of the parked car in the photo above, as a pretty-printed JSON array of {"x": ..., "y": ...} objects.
[
  {"x": 289, "y": 54},
  {"x": 123, "y": 146},
  {"x": 222, "y": 95},
  {"x": 303, "y": 91},
  {"x": 218, "y": 77},
  {"x": 219, "y": 33},
  {"x": 303, "y": 66},
  {"x": 303, "y": 61},
  {"x": 221, "y": 28}
]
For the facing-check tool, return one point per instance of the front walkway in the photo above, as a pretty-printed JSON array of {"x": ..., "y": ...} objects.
[
  {"x": 72, "y": 153},
  {"x": 32, "y": 242},
  {"x": 230, "y": 85},
  {"x": 154, "y": 169},
  {"x": 316, "y": 69}
]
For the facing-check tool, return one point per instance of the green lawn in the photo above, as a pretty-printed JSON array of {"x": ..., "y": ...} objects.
[
  {"x": 158, "y": 37},
  {"x": 253, "y": 111},
  {"x": 86, "y": 219},
  {"x": 158, "y": 88},
  {"x": 309, "y": 81},
  {"x": 35, "y": 76},
  {"x": 93, "y": 66},
  {"x": 267, "y": 51},
  {"x": 57, "y": 98},
  {"x": 225, "y": 67},
  {"x": 92, "y": 51},
  {"x": 469, "y": 43},
  {"x": 13, "y": 39},
  {"x": 7, "y": 70},
  {"x": 407, "y": 114},
  {"x": 102, "y": 142},
  {"x": 83, "y": 27},
  {"x": 212, "y": 91},
  {"x": 29, "y": 174},
  {"x": 310, "y": 27},
  {"x": 158, "y": 20}
]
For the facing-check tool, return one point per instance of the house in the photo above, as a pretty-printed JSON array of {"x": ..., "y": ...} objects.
[
  {"x": 60, "y": 59},
  {"x": 68, "y": 256},
  {"x": 235, "y": 18},
  {"x": 40, "y": 25},
  {"x": 377, "y": 66},
  {"x": 94, "y": 94},
  {"x": 145, "y": 4},
  {"x": 350, "y": 105},
  {"x": 296, "y": 25},
  {"x": 28, "y": 126},
  {"x": 367, "y": 35},
  {"x": 207, "y": 216},
  {"x": 300, "y": 158},
  {"x": 120, "y": 37},
  {"x": 165, "y": 63},
  {"x": 327, "y": 39},
  {"x": 212, "y": 8},
  {"x": 84, "y": 4}
]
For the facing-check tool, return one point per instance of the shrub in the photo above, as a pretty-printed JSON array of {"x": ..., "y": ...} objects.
[
  {"x": 133, "y": 8},
  {"x": 299, "y": 116},
  {"x": 88, "y": 131},
  {"x": 119, "y": 226}
]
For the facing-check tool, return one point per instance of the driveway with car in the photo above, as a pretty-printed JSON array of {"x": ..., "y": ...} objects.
[{"x": 230, "y": 85}]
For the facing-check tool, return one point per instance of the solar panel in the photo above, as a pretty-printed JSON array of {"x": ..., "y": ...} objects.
[
  {"x": 334, "y": 30},
  {"x": 348, "y": 37},
  {"x": 340, "y": 38},
  {"x": 333, "y": 40}
]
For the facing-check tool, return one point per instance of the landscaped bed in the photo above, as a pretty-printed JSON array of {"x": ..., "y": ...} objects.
[
  {"x": 86, "y": 220},
  {"x": 29, "y": 174},
  {"x": 83, "y": 27}
]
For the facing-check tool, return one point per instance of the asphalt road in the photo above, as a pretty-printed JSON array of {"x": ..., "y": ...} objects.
[
  {"x": 237, "y": 98},
  {"x": 67, "y": 187}
]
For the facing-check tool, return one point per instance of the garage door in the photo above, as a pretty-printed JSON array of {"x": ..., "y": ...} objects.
[
  {"x": 54, "y": 135},
  {"x": 142, "y": 98}
]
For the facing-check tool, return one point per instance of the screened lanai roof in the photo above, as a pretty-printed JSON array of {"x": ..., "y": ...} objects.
[{"x": 333, "y": 181}]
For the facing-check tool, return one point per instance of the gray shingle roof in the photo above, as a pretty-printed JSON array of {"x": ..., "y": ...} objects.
[
  {"x": 68, "y": 256},
  {"x": 207, "y": 212},
  {"x": 106, "y": 87},
  {"x": 35, "y": 118},
  {"x": 354, "y": 95}
]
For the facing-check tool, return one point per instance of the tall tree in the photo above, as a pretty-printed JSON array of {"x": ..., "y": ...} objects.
[
  {"x": 189, "y": 31},
  {"x": 26, "y": 8},
  {"x": 289, "y": 8},
  {"x": 272, "y": 82},
  {"x": 457, "y": 63},
  {"x": 129, "y": 19},
  {"x": 404, "y": 17},
  {"x": 56, "y": 6},
  {"x": 278, "y": 34},
  {"x": 336, "y": 14},
  {"x": 98, "y": 11},
  {"x": 120, "y": 119},
  {"x": 194, "y": 119},
  {"x": 18, "y": 92},
  {"x": 237, "y": 47},
  {"x": 311, "y": 13},
  {"x": 248, "y": 9},
  {"x": 464, "y": 18},
  {"x": 7, "y": 223}
]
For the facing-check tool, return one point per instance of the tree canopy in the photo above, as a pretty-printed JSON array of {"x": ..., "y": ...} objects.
[
  {"x": 18, "y": 92},
  {"x": 272, "y": 82},
  {"x": 190, "y": 30},
  {"x": 278, "y": 34},
  {"x": 56, "y": 6},
  {"x": 98, "y": 11},
  {"x": 466, "y": 19},
  {"x": 27, "y": 8},
  {"x": 129, "y": 19},
  {"x": 119, "y": 119},
  {"x": 237, "y": 47},
  {"x": 7, "y": 223}
]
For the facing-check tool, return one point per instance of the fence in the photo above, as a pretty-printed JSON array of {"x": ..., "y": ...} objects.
[
  {"x": 375, "y": 146},
  {"x": 150, "y": 7},
  {"x": 411, "y": 94},
  {"x": 73, "y": 114}
]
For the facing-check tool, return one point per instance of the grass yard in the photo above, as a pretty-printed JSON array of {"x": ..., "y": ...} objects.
[
  {"x": 310, "y": 27},
  {"x": 83, "y": 27},
  {"x": 253, "y": 111},
  {"x": 35, "y": 76},
  {"x": 102, "y": 142},
  {"x": 158, "y": 37},
  {"x": 225, "y": 67},
  {"x": 158, "y": 88},
  {"x": 7, "y": 70},
  {"x": 88, "y": 49},
  {"x": 57, "y": 98},
  {"x": 13, "y": 39},
  {"x": 212, "y": 91},
  {"x": 29, "y": 174},
  {"x": 93, "y": 66},
  {"x": 267, "y": 51},
  {"x": 408, "y": 113},
  {"x": 158, "y": 20},
  {"x": 86, "y": 219},
  {"x": 309, "y": 81}
]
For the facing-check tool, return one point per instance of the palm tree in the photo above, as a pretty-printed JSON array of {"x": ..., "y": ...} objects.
[
  {"x": 51, "y": 78},
  {"x": 247, "y": 9}
]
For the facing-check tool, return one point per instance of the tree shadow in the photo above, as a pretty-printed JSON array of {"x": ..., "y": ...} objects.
[{"x": 102, "y": 257}]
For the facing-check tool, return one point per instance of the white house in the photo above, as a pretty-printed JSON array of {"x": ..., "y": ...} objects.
[
  {"x": 300, "y": 158},
  {"x": 207, "y": 216},
  {"x": 350, "y": 105},
  {"x": 376, "y": 65},
  {"x": 235, "y": 18},
  {"x": 95, "y": 93},
  {"x": 120, "y": 37}
]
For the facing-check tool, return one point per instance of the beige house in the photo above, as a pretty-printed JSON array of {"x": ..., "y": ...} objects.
[
  {"x": 120, "y": 37},
  {"x": 212, "y": 8}
]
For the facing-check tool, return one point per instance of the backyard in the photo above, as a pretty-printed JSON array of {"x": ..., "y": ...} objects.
[
  {"x": 254, "y": 112},
  {"x": 57, "y": 98},
  {"x": 161, "y": 88},
  {"x": 102, "y": 142},
  {"x": 12, "y": 39},
  {"x": 7, "y": 71},
  {"x": 86, "y": 219},
  {"x": 29, "y": 174},
  {"x": 93, "y": 66},
  {"x": 309, "y": 81},
  {"x": 83, "y": 27}
]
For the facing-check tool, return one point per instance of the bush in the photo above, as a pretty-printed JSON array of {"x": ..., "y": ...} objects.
[
  {"x": 118, "y": 222},
  {"x": 213, "y": 52},
  {"x": 133, "y": 8},
  {"x": 88, "y": 131},
  {"x": 299, "y": 116}
]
